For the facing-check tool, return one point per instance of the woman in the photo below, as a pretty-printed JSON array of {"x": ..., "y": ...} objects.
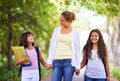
[{"x": 64, "y": 51}]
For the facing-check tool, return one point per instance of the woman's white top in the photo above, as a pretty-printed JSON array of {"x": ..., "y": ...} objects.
[
  {"x": 95, "y": 67},
  {"x": 63, "y": 48},
  {"x": 75, "y": 47}
]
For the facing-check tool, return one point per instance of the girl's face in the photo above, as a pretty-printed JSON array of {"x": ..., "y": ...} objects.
[
  {"x": 63, "y": 21},
  {"x": 94, "y": 37},
  {"x": 30, "y": 38}
]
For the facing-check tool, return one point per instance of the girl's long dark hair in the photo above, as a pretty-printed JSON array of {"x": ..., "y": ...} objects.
[
  {"x": 101, "y": 45},
  {"x": 23, "y": 39}
]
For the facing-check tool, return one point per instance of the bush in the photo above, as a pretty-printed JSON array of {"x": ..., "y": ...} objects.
[
  {"x": 44, "y": 71},
  {"x": 115, "y": 70},
  {"x": 12, "y": 75},
  {"x": 9, "y": 75}
]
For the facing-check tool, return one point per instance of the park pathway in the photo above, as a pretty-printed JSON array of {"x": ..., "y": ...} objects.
[{"x": 75, "y": 78}]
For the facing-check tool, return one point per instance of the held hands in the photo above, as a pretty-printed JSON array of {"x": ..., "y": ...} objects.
[
  {"x": 49, "y": 66},
  {"x": 77, "y": 71}
]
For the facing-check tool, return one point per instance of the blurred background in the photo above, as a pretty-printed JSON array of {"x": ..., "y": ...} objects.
[{"x": 41, "y": 16}]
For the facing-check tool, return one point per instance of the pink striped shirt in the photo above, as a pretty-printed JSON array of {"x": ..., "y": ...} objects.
[{"x": 33, "y": 58}]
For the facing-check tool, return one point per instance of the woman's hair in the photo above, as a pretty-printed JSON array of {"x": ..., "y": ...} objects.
[
  {"x": 101, "y": 45},
  {"x": 23, "y": 39},
  {"x": 69, "y": 16}
]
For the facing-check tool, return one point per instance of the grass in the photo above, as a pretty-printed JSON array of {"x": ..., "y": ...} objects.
[
  {"x": 115, "y": 70},
  {"x": 12, "y": 75}
]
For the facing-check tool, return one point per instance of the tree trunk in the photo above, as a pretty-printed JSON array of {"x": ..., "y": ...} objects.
[
  {"x": 117, "y": 58},
  {"x": 9, "y": 52},
  {"x": 110, "y": 54},
  {"x": 115, "y": 42}
]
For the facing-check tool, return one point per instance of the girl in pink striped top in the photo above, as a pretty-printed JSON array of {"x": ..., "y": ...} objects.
[{"x": 30, "y": 73}]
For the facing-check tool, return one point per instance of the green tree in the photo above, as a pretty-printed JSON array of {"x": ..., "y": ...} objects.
[
  {"x": 17, "y": 16},
  {"x": 109, "y": 8}
]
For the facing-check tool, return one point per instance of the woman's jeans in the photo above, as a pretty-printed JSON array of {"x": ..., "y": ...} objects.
[
  {"x": 62, "y": 68},
  {"x": 93, "y": 79}
]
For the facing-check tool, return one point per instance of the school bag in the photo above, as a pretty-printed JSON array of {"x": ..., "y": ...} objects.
[{"x": 38, "y": 52}]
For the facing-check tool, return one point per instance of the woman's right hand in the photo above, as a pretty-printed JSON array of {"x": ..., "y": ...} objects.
[{"x": 77, "y": 71}]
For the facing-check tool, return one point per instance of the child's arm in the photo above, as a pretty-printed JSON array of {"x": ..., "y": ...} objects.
[
  {"x": 107, "y": 67},
  {"x": 48, "y": 66},
  {"x": 19, "y": 62},
  {"x": 83, "y": 63}
]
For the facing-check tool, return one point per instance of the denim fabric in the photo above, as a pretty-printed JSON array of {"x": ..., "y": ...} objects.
[
  {"x": 62, "y": 68},
  {"x": 93, "y": 79}
]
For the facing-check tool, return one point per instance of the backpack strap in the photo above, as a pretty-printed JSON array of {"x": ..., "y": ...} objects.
[
  {"x": 104, "y": 65},
  {"x": 38, "y": 57},
  {"x": 86, "y": 58},
  {"x": 20, "y": 70}
]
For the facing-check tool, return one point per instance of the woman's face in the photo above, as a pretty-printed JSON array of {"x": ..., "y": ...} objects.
[
  {"x": 94, "y": 37},
  {"x": 63, "y": 21},
  {"x": 30, "y": 38}
]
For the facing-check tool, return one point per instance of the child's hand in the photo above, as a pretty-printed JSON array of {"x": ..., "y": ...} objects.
[
  {"x": 77, "y": 71},
  {"x": 26, "y": 59},
  {"x": 108, "y": 78},
  {"x": 49, "y": 66}
]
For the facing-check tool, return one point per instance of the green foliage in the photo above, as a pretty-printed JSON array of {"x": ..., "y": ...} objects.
[
  {"x": 28, "y": 15},
  {"x": 9, "y": 75},
  {"x": 18, "y": 16},
  {"x": 104, "y": 7},
  {"x": 12, "y": 75},
  {"x": 109, "y": 8},
  {"x": 44, "y": 72},
  {"x": 115, "y": 70}
]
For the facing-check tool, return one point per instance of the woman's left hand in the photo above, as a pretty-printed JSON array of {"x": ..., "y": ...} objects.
[{"x": 77, "y": 71}]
